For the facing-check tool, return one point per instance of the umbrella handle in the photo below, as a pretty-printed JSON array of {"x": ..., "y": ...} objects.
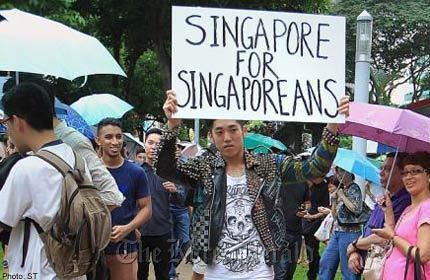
[
  {"x": 84, "y": 82},
  {"x": 341, "y": 180}
]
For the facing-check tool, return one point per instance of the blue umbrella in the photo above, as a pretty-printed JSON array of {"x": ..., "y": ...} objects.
[
  {"x": 73, "y": 119},
  {"x": 356, "y": 164},
  {"x": 93, "y": 108},
  {"x": 383, "y": 149}
]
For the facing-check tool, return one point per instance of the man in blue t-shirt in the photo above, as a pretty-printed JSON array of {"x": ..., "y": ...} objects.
[{"x": 136, "y": 209}]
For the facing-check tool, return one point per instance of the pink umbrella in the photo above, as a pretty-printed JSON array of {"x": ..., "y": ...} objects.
[{"x": 401, "y": 128}]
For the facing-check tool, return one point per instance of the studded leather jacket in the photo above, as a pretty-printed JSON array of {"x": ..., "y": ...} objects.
[{"x": 265, "y": 175}]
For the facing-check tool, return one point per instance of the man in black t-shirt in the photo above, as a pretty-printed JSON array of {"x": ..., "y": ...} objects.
[
  {"x": 295, "y": 199},
  {"x": 319, "y": 196}
]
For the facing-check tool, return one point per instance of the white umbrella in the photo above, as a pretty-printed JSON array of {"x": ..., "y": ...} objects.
[
  {"x": 93, "y": 108},
  {"x": 33, "y": 44}
]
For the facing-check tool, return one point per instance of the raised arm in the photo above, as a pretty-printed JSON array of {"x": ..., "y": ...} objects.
[
  {"x": 166, "y": 165},
  {"x": 318, "y": 165}
]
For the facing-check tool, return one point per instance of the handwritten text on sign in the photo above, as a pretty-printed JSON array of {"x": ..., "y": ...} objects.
[{"x": 257, "y": 65}]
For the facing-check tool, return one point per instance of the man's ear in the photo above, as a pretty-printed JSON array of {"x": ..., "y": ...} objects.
[
  {"x": 97, "y": 139},
  {"x": 245, "y": 130},
  {"x": 21, "y": 124}
]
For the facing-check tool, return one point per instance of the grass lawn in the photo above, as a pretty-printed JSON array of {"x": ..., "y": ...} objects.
[{"x": 302, "y": 269}]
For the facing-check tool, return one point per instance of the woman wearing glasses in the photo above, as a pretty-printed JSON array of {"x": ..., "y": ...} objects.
[{"x": 412, "y": 230}]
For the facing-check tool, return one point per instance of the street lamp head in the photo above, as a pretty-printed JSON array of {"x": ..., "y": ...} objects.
[
  {"x": 364, "y": 37},
  {"x": 364, "y": 16}
]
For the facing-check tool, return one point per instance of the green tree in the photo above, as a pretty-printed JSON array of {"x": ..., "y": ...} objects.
[
  {"x": 380, "y": 83},
  {"x": 401, "y": 36},
  {"x": 145, "y": 86},
  {"x": 59, "y": 10}
]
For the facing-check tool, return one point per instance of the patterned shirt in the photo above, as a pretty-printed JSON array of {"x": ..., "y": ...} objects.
[{"x": 353, "y": 193}]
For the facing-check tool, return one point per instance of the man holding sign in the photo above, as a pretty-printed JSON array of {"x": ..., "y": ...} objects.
[{"x": 239, "y": 226}]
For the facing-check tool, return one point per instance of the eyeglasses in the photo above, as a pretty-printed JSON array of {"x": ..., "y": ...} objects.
[
  {"x": 413, "y": 172},
  {"x": 5, "y": 120}
]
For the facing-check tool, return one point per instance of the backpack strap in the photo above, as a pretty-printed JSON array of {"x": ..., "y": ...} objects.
[
  {"x": 79, "y": 163},
  {"x": 27, "y": 225},
  {"x": 55, "y": 161},
  {"x": 78, "y": 171}
]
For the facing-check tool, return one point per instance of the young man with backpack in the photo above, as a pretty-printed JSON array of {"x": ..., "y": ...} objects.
[
  {"x": 135, "y": 210},
  {"x": 56, "y": 217}
]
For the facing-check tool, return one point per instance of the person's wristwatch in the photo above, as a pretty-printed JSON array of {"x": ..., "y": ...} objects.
[
  {"x": 350, "y": 250},
  {"x": 354, "y": 244}
]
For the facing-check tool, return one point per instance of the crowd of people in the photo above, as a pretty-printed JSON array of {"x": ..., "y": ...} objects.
[{"x": 244, "y": 215}]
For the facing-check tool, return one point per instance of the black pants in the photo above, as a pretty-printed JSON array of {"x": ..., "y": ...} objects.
[
  {"x": 312, "y": 251},
  {"x": 158, "y": 249}
]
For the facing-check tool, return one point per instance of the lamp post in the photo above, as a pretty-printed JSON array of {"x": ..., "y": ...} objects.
[
  {"x": 362, "y": 72},
  {"x": 196, "y": 131}
]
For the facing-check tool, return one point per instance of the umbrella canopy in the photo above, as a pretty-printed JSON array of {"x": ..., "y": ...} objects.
[
  {"x": 33, "y": 44},
  {"x": 93, "y": 108},
  {"x": 132, "y": 144},
  {"x": 73, "y": 119},
  {"x": 401, "y": 128},
  {"x": 356, "y": 164},
  {"x": 262, "y": 143}
]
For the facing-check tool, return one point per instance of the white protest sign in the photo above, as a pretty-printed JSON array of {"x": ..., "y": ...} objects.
[{"x": 257, "y": 65}]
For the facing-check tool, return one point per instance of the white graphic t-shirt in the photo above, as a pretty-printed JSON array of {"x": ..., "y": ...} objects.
[{"x": 240, "y": 252}]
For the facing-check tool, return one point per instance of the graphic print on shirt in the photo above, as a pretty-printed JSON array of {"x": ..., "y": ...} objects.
[
  {"x": 240, "y": 248},
  {"x": 123, "y": 189}
]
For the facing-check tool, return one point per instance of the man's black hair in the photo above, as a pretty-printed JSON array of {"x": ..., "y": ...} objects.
[
  {"x": 152, "y": 131},
  {"x": 400, "y": 157},
  {"x": 30, "y": 102},
  {"x": 139, "y": 150},
  {"x": 9, "y": 84},
  {"x": 38, "y": 80},
  {"x": 108, "y": 121},
  {"x": 210, "y": 123}
]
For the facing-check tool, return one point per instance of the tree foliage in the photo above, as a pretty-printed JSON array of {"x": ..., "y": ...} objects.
[{"x": 401, "y": 40}]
